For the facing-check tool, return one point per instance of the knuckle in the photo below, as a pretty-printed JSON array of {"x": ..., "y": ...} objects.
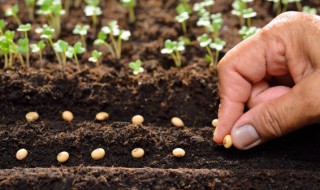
[{"x": 272, "y": 121}]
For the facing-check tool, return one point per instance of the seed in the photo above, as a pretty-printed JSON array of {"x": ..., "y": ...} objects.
[
  {"x": 178, "y": 152},
  {"x": 137, "y": 153},
  {"x": 98, "y": 154},
  {"x": 176, "y": 121},
  {"x": 215, "y": 122},
  {"x": 101, "y": 116},
  {"x": 227, "y": 141},
  {"x": 21, "y": 154},
  {"x": 63, "y": 156},
  {"x": 67, "y": 116},
  {"x": 137, "y": 119},
  {"x": 32, "y": 116}
]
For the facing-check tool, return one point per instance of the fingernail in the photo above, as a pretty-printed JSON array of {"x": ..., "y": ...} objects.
[{"x": 245, "y": 137}]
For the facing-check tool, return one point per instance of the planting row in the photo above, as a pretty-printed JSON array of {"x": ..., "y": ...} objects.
[{"x": 111, "y": 37}]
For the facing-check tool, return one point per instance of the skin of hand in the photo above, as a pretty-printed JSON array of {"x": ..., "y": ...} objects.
[{"x": 275, "y": 74}]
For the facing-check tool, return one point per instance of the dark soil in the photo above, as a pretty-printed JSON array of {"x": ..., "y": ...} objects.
[{"x": 162, "y": 92}]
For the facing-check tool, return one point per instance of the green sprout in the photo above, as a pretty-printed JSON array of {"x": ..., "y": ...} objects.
[
  {"x": 23, "y": 48},
  {"x": 13, "y": 11},
  {"x": 239, "y": 8},
  {"x": 130, "y": 4},
  {"x": 52, "y": 10},
  {"x": 183, "y": 6},
  {"x": 116, "y": 37},
  {"x": 2, "y": 26},
  {"x": 6, "y": 44},
  {"x": 61, "y": 47},
  {"x": 182, "y": 18},
  {"x": 46, "y": 32},
  {"x": 72, "y": 52},
  {"x": 95, "y": 56},
  {"x": 136, "y": 67},
  {"x": 30, "y": 7},
  {"x": 173, "y": 48},
  {"x": 82, "y": 30},
  {"x": 216, "y": 24},
  {"x": 38, "y": 48},
  {"x": 218, "y": 45},
  {"x": 306, "y": 9},
  {"x": 286, "y": 3},
  {"x": 245, "y": 32},
  {"x": 248, "y": 14},
  {"x": 92, "y": 9}
]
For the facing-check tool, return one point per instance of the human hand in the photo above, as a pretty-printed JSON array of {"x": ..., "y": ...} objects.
[{"x": 276, "y": 74}]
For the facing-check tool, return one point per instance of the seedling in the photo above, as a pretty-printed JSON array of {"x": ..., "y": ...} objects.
[
  {"x": 239, "y": 9},
  {"x": 13, "y": 11},
  {"x": 182, "y": 18},
  {"x": 61, "y": 48},
  {"x": 130, "y": 4},
  {"x": 52, "y": 10},
  {"x": 21, "y": 154},
  {"x": 218, "y": 45},
  {"x": 113, "y": 31},
  {"x": 98, "y": 154},
  {"x": 137, "y": 119},
  {"x": 95, "y": 56},
  {"x": 227, "y": 141},
  {"x": 30, "y": 4},
  {"x": 2, "y": 26},
  {"x": 205, "y": 42},
  {"x": 173, "y": 48},
  {"x": 178, "y": 152},
  {"x": 63, "y": 157},
  {"x": 137, "y": 153},
  {"x": 82, "y": 30},
  {"x": 183, "y": 6},
  {"x": 8, "y": 48},
  {"x": 136, "y": 67},
  {"x": 73, "y": 52},
  {"x": 216, "y": 24},
  {"x": 248, "y": 14},
  {"x": 93, "y": 10},
  {"x": 38, "y": 48},
  {"x": 25, "y": 48},
  {"x": 245, "y": 32},
  {"x": 176, "y": 121},
  {"x": 203, "y": 5},
  {"x": 309, "y": 10},
  {"x": 286, "y": 4}
]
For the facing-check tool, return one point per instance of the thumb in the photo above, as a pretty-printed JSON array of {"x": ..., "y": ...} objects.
[{"x": 276, "y": 117}]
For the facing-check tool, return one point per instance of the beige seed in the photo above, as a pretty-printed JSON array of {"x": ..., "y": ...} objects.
[
  {"x": 215, "y": 122},
  {"x": 98, "y": 154},
  {"x": 137, "y": 153},
  {"x": 63, "y": 156},
  {"x": 21, "y": 154},
  {"x": 227, "y": 141},
  {"x": 177, "y": 122},
  {"x": 67, "y": 116},
  {"x": 101, "y": 116},
  {"x": 137, "y": 119},
  {"x": 178, "y": 152},
  {"x": 32, "y": 116}
]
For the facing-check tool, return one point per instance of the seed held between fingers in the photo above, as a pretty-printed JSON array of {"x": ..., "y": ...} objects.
[
  {"x": 67, "y": 116},
  {"x": 63, "y": 156},
  {"x": 227, "y": 141},
  {"x": 137, "y": 119},
  {"x": 215, "y": 122},
  {"x": 178, "y": 152},
  {"x": 32, "y": 116},
  {"x": 101, "y": 116},
  {"x": 21, "y": 154},
  {"x": 177, "y": 122},
  {"x": 98, "y": 154},
  {"x": 137, "y": 153}
]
